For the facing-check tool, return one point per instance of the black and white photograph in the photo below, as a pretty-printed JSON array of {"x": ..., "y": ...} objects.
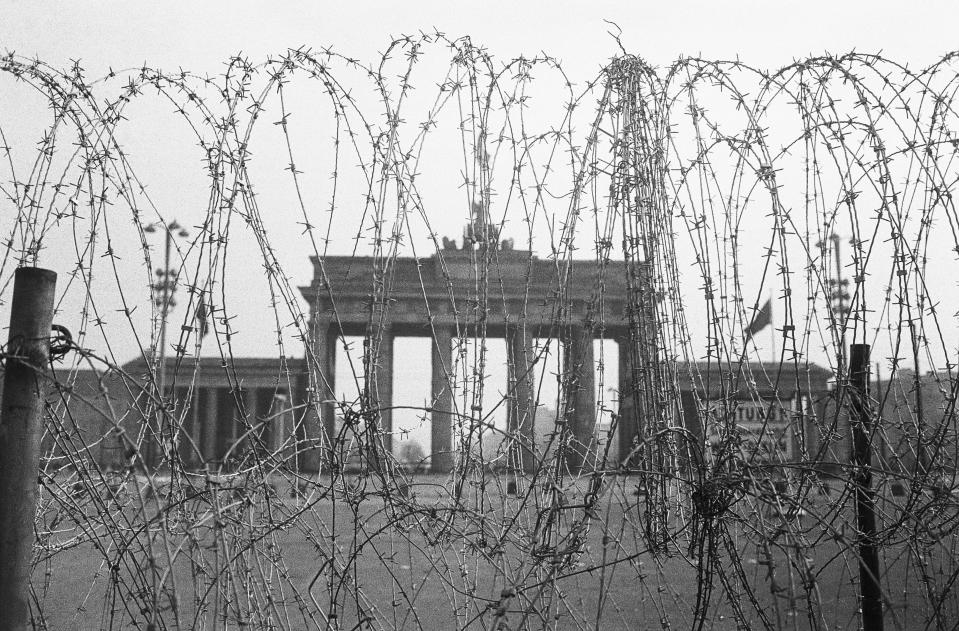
[{"x": 492, "y": 316}]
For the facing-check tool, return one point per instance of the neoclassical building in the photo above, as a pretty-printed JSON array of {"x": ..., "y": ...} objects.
[
  {"x": 484, "y": 289},
  {"x": 482, "y": 292}
]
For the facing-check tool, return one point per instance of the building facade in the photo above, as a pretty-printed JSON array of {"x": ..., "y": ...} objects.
[{"x": 218, "y": 412}]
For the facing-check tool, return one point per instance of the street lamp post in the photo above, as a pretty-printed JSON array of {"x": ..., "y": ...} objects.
[
  {"x": 166, "y": 286},
  {"x": 838, "y": 296}
]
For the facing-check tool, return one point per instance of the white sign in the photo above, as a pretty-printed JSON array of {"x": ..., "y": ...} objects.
[{"x": 763, "y": 427}]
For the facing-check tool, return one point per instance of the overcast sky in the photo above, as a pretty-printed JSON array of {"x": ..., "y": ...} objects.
[{"x": 199, "y": 35}]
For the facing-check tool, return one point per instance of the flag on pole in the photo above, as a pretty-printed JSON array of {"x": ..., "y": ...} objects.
[
  {"x": 761, "y": 320},
  {"x": 202, "y": 322}
]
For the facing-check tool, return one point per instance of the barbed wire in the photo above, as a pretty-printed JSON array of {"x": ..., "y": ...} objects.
[{"x": 697, "y": 191}]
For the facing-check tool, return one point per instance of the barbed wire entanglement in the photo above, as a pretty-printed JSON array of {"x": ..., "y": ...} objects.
[{"x": 282, "y": 397}]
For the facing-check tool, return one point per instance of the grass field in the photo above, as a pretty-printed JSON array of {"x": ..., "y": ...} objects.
[{"x": 379, "y": 560}]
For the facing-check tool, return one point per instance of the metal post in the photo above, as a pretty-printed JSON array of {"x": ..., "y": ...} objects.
[
  {"x": 861, "y": 417},
  {"x": 164, "y": 312},
  {"x": 167, "y": 289},
  {"x": 28, "y": 350}
]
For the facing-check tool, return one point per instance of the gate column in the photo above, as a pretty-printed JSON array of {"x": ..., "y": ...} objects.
[
  {"x": 319, "y": 423},
  {"x": 441, "y": 424},
  {"x": 280, "y": 424},
  {"x": 520, "y": 416},
  {"x": 249, "y": 407},
  {"x": 580, "y": 397},
  {"x": 628, "y": 417},
  {"x": 210, "y": 426},
  {"x": 380, "y": 391}
]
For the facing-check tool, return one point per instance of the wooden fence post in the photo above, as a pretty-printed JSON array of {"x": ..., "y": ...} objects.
[{"x": 27, "y": 358}]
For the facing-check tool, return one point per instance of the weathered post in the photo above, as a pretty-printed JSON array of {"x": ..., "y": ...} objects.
[
  {"x": 28, "y": 350},
  {"x": 861, "y": 418}
]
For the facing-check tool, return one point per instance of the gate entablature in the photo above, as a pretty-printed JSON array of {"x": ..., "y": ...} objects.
[{"x": 446, "y": 287}]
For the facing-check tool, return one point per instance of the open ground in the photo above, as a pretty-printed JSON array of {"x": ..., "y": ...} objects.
[{"x": 352, "y": 553}]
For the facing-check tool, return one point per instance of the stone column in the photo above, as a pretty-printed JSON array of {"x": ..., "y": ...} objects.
[
  {"x": 380, "y": 391},
  {"x": 441, "y": 420},
  {"x": 178, "y": 424},
  {"x": 319, "y": 421},
  {"x": 580, "y": 398},
  {"x": 628, "y": 417},
  {"x": 520, "y": 417},
  {"x": 192, "y": 444},
  {"x": 280, "y": 421},
  {"x": 249, "y": 405},
  {"x": 210, "y": 425}
]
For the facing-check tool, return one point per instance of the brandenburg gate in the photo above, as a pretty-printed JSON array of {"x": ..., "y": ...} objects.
[{"x": 484, "y": 289}]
